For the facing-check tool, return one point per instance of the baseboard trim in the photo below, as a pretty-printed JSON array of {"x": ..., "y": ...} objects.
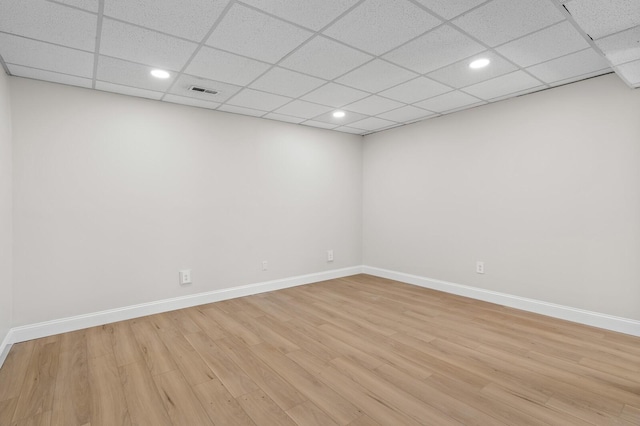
[
  {"x": 5, "y": 346},
  {"x": 595, "y": 319}
]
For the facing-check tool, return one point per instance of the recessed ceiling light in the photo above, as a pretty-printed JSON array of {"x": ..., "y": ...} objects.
[
  {"x": 160, "y": 74},
  {"x": 339, "y": 114},
  {"x": 479, "y": 63}
]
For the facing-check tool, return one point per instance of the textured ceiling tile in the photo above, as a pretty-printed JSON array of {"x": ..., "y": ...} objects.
[
  {"x": 500, "y": 21},
  {"x": 183, "y": 100},
  {"x": 449, "y": 101},
  {"x": 283, "y": 117},
  {"x": 184, "y": 82},
  {"x": 372, "y": 124},
  {"x": 20, "y": 71},
  {"x": 631, "y": 72},
  {"x": 136, "y": 44},
  {"x": 241, "y": 110},
  {"x": 375, "y": 76},
  {"x": 622, "y": 47},
  {"x": 125, "y": 73},
  {"x": 377, "y": 26},
  {"x": 406, "y": 114},
  {"x": 600, "y": 18},
  {"x": 303, "y": 109},
  {"x": 325, "y": 58},
  {"x": 573, "y": 65},
  {"x": 313, "y": 14},
  {"x": 254, "y": 99},
  {"x": 126, "y": 90},
  {"x": 504, "y": 85},
  {"x": 438, "y": 48},
  {"x": 288, "y": 83},
  {"x": 36, "y": 54},
  {"x": 450, "y": 8},
  {"x": 335, "y": 95},
  {"x": 415, "y": 90},
  {"x": 251, "y": 33},
  {"x": 46, "y": 21},
  {"x": 461, "y": 75},
  {"x": 319, "y": 124},
  {"x": 373, "y": 105},
  {"x": 191, "y": 19},
  {"x": 544, "y": 45},
  {"x": 226, "y": 67},
  {"x": 350, "y": 117},
  {"x": 347, "y": 129},
  {"x": 90, "y": 5}
]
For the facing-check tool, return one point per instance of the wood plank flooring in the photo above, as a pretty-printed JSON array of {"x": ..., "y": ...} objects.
[{"x": 354, "y": 351}]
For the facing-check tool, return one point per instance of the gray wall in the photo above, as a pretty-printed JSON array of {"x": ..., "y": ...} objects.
[{"x": 5, "y": 208}]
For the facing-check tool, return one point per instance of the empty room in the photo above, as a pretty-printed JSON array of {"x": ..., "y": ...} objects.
[{"x": 319, "y": 212}]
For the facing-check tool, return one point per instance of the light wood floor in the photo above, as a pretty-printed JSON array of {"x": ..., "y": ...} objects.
[{"x": 355, "y": 351}]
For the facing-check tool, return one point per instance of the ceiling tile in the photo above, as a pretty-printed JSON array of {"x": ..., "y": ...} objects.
[
  {"x": 251, "y": 33},
  {"x": 406, "y": 114},
  {"x": 631, "y": 71},
  {"x": 241, "y": 110},
  {"x": 288, "y": 83},
  {"x": 125, "y": 73},
  {"x": 415, "y": 90},
  {"x": 372, "y": 124},
  {"x": 375, "y": 76},
  {"x": 191, "y": 19},
  {"x": 500, "y": 21},
  {"x": 90, "y": 5},
  {"x": 601, "y": 18},
  {"x": 346, "y": 129},
  {"x": 438, "y": 48},
  {"x": 325, "y": 58},
  {"x": 183, "y": 100},
  {"x": 335, "y": 95},
  {"x": 373, "y": 105},
  {"x": 504, "y": 85},
  {"x": 319, "y": 124},
  {"x": 136, "y": 44},
  {"x": 36, "y": 54},
  {"x": 622, "y": 47},
  {"x": 254, "y": 99},
  {"x": 550, "y": 43},
  {"x": 313, "y": 14},
  {"x": 377, "y": 26},
  {"x": 20, "y": 71},
  {"x": 222, "y": 66},
  {"x": 569, "y": 66},
  {"x": 126, "y": 90},
  {"x": 283, "y": 117},
  {"x": 449, "y": 101},
  {"x": 51, "y": 22},
  {"x": 350, "y": 117},
  {"x": 303, "y": 109},
  {"x": 450, "y": 8},
  {"x": 184, "y": 82},
  {"x": 459, "y": 75}
]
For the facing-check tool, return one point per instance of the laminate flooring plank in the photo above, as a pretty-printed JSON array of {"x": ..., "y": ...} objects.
[
  {"x": 142, "y": 397},
  {"x": 72, "y": 398},
  {"x": 263, "y": 410},
  {"x": 155, "y": 354},
  {"x": 220, "y": 405},
  {"x": 107, "y": 398},
  {"x": 178, "y": 398},
  {"x": 14, "y": 370}
]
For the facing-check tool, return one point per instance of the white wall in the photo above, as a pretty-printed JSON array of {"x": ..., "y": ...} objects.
[
  {"x": 545, "y": 189},
  {"x": 113, "y": 195},
  {"x": 5, "y": 208}
]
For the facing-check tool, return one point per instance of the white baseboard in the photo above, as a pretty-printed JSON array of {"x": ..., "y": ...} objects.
[
  {"x": 5, "y": 346},
  {"x": 595, "y": 319}
]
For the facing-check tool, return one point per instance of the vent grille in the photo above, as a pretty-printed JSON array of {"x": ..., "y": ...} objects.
[{"x": 203, "y": 90}]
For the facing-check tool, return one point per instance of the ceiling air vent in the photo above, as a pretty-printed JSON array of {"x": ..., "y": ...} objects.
[{"x": 203, "y": 90}]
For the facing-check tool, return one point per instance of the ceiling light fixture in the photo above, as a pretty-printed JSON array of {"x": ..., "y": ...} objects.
[
  {"x": 160, "y": 74},
  {"x": 339, "y": 114},
  {"x": 479, "y": 63}
]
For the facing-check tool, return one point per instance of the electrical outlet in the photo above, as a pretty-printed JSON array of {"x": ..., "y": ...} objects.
[
  {"x": 185, "y": 276},
  {"x": 265, "y": 265},
  {"x": 329, "y": 255},
  {"x": 480, "y": 267}
]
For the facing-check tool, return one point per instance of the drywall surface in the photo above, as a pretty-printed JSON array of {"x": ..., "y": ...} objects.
[
  {"x": 114, "y": 195},
  {"x": 5, "y": 208},
  {"x": 544, "y": 189}
]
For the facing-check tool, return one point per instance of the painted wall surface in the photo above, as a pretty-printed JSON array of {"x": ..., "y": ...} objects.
[
  {"x": 545, "y": 189},
  {"x": 114, "y": 195},
  {"x": 6, "y": 261}
]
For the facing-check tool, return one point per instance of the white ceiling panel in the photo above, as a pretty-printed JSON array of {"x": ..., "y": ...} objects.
[
  {"x": 51, "y": 22},
  {"x": 191, "y": 19},
  {"x": 184, "y": 82},
  {"x": 622, "y": 47},
  {"x": 250, "y": 98},
  {"x": 406, "y": 114},
  {"x": 183, "y": 100},
  {"x": 241, "y": 110},
  {"x": 54, "y": 77},
  {"x": 254, "y": 34},
  {"x": 415, "y": 90},
  {"x": 136, "y": 44},
  {"x": 631, "y": 71},
  {"x": 460, "y": 75},
  {"x": 225, "y": 67},
  {"x": 375, "y": 76},
  {"x": 449, "y": 9},
  {"x": 90, "y": 5},
  {"x": 373, "y": 105},
  {"x": 325, "y": 58},
  {"x": 569, "y": 66},
  {"x": 377, "y": 26},
  {"x": 347, "y": 129},
  {"x": 449, "y": 101},
  {"x": 500, "y": 21},
  {"x": 503, "y": 85},
  {"x": 314, "y": 14},
  {"x": 553, "y": 42},
  {"x": 350, "y": 117},
  {"x": 320, "y": 124},
  {"x": 283, "y": 117},
  {"x": 126, "y": 73},
  {"x": 36, "y": 54},
  {"x": 127, "y": 90},
  {"x": 287, "y": 83},
  {"x": 436, "y": 49},
  {"x": 335, "y": 95},
  {"x": 600, "y": 18},
  {"x": 372, "y": 124},
  {"x": 303, "y": 109}
]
